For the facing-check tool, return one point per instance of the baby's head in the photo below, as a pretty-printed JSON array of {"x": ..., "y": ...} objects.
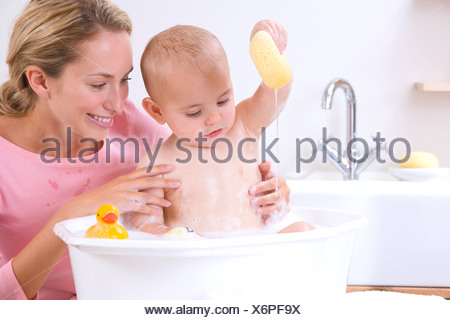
[{"x": 186, "y": 74}]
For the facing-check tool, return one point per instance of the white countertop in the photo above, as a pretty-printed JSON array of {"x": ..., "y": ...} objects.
[{"x": 379, "y": 305}]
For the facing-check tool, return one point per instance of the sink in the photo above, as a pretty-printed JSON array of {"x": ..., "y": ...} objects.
[{"x": 407, "y": 240}]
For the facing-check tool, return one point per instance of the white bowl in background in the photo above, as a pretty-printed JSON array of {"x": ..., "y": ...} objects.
[{"x": 419, "y": 174}]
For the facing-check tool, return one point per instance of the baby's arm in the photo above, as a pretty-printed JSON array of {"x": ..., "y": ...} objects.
[
  {"x": 150, "y": 223},
  {"x": 260, "y": 110}
]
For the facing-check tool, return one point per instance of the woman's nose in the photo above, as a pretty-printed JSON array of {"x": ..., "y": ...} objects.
[
  {"x": 212, "y": 118},
  {"x": 115, "y": 102}
]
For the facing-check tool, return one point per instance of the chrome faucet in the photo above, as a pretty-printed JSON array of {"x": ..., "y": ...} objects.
[{"x": 353, "y": 163}]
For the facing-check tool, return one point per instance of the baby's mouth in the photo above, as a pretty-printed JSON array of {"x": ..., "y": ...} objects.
[{"x": 214, "y": 133}]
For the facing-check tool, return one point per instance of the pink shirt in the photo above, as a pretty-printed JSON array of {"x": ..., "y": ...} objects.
[{"x": 31, "y": 191}]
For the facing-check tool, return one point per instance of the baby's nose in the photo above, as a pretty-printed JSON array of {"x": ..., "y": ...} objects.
[{"x": 212, "y": 118}]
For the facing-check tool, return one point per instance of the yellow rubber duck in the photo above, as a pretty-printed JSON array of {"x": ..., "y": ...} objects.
[{"x": 107, "y": 226}]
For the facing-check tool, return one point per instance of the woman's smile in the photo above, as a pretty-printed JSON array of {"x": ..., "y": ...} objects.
[{"x": 101, "y": 121}]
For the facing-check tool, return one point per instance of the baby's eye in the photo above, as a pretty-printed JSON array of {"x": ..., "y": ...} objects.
[
  {"x": 222, "y": 102},
  {"x": 193, "y": 114},
  {"x": 125, "y": 80}
]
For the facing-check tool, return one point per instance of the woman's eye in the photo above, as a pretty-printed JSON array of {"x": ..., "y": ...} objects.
[
  {"x": 98, "y": 86},
  {"x": 221, "y": 103},
  {"x": 125, "y": 80},
  {"x": 193, "y": 114}
]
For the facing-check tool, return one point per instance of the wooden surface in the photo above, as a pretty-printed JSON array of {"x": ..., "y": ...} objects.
[
  {"x": 433, "y": 86},
  {"x": 443, "y": 292}
]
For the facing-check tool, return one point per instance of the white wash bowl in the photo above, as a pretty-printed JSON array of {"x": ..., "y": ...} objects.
[{"x": 407, "y": 240}]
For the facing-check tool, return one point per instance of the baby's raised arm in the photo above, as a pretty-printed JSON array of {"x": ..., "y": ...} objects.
[{"x": 260, "y": 110}]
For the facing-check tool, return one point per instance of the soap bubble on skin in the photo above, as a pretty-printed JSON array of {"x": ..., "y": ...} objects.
[
  {"x": 133, "y": 222},
  {"x": 191, "y": 220},
  {"x": 232, "y": 224},
  {"x": 149, "y": 219},
  {"x": 214, "y": 189},
  {"x": 241, "y": 195},
  {"x": 278, "y": 215}
]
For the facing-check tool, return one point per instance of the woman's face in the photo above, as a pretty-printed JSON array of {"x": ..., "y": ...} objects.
[{"x": 92, "y": 90}]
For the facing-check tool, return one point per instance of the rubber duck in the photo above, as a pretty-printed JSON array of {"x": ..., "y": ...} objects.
[{"x": 107, "y": 226}]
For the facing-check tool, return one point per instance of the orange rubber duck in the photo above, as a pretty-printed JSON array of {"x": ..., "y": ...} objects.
[{"x": 107, "y": 226}]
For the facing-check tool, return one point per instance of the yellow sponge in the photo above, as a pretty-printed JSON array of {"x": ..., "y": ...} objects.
[
  {"x": 420, "y": 160},
  {"x": 273, "y": 67}
]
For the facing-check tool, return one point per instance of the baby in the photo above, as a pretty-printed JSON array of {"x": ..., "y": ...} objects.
[{"x": 214, "y": 145}]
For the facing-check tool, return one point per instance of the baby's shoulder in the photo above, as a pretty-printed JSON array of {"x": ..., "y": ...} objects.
[{"x": 238, "y": 130}]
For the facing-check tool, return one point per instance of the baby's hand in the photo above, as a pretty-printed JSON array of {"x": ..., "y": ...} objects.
[{"x": 276, "y": 30}]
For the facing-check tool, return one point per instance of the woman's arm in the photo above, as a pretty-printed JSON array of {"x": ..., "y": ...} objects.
[{"x": 35, "y": 262}]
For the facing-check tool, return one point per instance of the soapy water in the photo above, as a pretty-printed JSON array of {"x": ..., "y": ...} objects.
[
  {"x": 278, "y": 221},
  {"x": 282, "y": 221}
]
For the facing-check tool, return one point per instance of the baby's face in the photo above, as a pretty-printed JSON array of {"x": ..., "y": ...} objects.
[{"x": 199, "y": 102}]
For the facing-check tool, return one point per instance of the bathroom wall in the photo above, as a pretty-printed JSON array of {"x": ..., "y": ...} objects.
[{"x": 381, "y": 47}]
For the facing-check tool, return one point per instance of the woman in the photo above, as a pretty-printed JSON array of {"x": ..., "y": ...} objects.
[{"x": 70, "y": 140}]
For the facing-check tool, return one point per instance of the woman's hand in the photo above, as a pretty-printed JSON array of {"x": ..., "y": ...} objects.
[
  {"x": 126, "y": 193},
  {"x": 276, "y": 30},
  {"x": 269, "y": 201}
]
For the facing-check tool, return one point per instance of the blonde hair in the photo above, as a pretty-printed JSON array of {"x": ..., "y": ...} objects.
[
  {"x": 46, "y": 35},
  {"x": 185, "y": 44}
]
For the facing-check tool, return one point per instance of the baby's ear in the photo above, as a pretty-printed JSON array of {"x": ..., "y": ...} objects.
[{"x": 153, "y": 110}]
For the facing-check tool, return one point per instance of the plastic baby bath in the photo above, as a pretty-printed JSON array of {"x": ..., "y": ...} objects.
[{"x": 254, "y": 266}]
